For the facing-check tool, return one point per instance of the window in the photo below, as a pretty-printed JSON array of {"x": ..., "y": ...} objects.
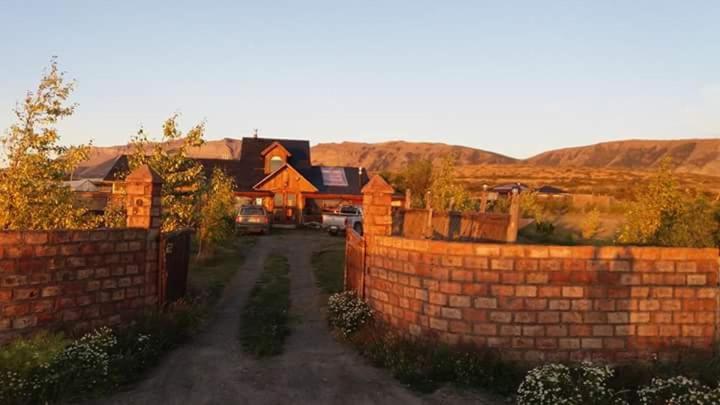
[
  {"x": 278, "y": 200},
  {"x": 276, "y": 162},
  {"x": 291, "y": 200}
]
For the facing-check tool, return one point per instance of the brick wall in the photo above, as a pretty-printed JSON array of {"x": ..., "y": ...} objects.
[
  {"x": 535, "y": 302},
  {"x": 77, "y": 280},
  {"x": 547, "y": 302}
]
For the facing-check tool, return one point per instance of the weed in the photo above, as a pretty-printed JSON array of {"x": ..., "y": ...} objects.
[{"x": 265, "y": 317}]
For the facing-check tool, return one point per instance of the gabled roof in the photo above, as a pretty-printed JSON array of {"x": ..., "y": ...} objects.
[
  {"x": 106, "y": 170},
  {"x": 274, "y": 145},
  {"x": 278, "y": 171},
  {"x": 253, "y": 148}
]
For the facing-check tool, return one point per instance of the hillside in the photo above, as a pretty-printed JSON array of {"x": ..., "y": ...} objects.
[
  {"x": 393, "y": 156},
  {"x": 699, "y": 156},
  {"x": 221, "y": 149},
  {"x": 694, "y": 156}
]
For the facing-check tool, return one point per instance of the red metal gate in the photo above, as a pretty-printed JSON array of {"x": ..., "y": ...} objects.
[
  {"x": 355, "y": 263},
  {"x": 174, "y": 263}
]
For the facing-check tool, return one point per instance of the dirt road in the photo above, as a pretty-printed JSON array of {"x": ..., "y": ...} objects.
[{"x": 314, "y": 369}]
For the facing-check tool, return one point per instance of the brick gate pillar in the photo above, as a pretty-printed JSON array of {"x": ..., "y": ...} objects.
[
  {"x": 377, "y": 207},
  {"x": 142, "y": 187}
]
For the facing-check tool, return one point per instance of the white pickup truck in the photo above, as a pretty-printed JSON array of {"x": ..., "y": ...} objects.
[{"x": 348, "y": 216}]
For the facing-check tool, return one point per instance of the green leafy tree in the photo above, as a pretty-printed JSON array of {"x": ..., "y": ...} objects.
[
  {"x": 32, "y": 193},
  {"x": 217, "y": 212},
  {"x": 417, "y": 177},
  {"x": 664, "y": 215},
  {"x": 445, "y": 191},
  {"x": 183, "y": 177}
]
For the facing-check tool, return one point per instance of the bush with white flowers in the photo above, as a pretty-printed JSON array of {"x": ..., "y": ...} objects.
[
  {"x": 348, "y": 313},
  {"x": 678, "y": 391},
  {"x": 554, "y": 384}
]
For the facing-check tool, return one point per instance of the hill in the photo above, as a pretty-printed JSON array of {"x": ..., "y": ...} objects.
[
  {"x": 221, "y": 149},
  {"x": 699, "y": 156},
  {"x": 393, "y": 156},
  {"x": 693, "y": 156}
]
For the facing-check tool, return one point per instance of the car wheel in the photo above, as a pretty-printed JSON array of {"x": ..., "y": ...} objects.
[{"x": 358, "y": 228}]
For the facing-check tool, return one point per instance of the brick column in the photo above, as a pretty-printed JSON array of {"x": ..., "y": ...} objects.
[
  {"x": 377, "y": 207},
  {"x": 144, "y": 211},
  {"x": 514, "y": 225}
]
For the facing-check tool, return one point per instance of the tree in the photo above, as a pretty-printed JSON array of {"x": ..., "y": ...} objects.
[
  {"x": 183, "y": 177},
  {"x": 665, "y": 215},
  {"x": 32, "y": 193},
  {"x": 445, "y": 191},
  {"x": 216, "y": 212},
  {"x": 591, "y": 224}
]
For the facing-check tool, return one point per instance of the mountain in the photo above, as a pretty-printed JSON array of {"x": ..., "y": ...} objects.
[
  {"x": 699, "y": 156},
  {"x": 394, "y": 156},
  {"x": 221, "y": 149}
]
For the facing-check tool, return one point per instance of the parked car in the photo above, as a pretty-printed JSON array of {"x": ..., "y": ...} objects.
[
  {"x": 347, "y": 217},
  {"x": 252, "y": 219}
]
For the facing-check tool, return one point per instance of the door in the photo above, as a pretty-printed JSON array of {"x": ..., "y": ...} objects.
[{"x": 285, "y": 207}]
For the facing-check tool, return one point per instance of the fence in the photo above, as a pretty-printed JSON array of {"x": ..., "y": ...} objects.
[
  {"x": 78, "y": 280},
  {"x": 451, "y": 226},
  {"x": 538, "y": 303},
  {"x": 174, "y": 263},
  {"x": 355, "y": 263}
]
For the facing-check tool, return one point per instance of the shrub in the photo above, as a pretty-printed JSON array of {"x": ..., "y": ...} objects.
[
  {"x": 678, "y": 391},
  {"x": 348, "y": 313},
  {"x": 665, "y": 215},
  {"x": 583, "y": 384},
  {"x": 590, "y": 225}
]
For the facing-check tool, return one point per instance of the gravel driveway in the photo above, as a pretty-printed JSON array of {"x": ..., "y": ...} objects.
[{"x": 314, "y": 369}]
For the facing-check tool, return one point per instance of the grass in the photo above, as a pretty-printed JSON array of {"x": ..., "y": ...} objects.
[
  {"x": 424, "y": 364},
  {"x": 265, "y": 317},
  {"x": 208, "y": 276},
  {"x": 328, "y": 266}
]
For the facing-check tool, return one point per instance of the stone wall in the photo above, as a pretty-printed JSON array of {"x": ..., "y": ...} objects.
[
  {"x": 537, "y": 302},
  {"x": 77, "y": 280}
]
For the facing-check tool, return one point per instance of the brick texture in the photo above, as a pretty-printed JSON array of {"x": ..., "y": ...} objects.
[
  {"x": 78, "y": 280},
  {"x": 539, "y": 303}
]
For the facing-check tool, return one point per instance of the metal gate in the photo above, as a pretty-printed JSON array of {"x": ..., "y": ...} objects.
[
  {"x": 355, "y": 263},
  {"x": 174, "y": 263}
]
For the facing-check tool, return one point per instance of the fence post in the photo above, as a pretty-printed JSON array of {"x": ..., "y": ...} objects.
[
  {"x": 514, "y": 224},
  {"x": 484, "y": 199},
  {"x": 377, "y": 206},
  {"x": 143, "y": 206}
]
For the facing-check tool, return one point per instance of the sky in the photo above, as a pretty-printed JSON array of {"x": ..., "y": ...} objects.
[{"x": 513, "y": 77}]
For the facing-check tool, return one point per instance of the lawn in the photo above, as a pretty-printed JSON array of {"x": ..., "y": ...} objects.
[
  {"x": 264, "y": 324},
  {"x": 328, "y": 266}
]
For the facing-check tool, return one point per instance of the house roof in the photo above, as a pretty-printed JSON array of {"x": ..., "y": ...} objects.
[
  {"x": 253, "y": 148},
  {"x": 355, "y": 181},
  {"x": 507, "y": 188},
  {"x": 546, "y": 189},
  {"x": 276, "y": 172},
  {"x": 274, "y": 145},
  {"x": 107, "y": 170}
]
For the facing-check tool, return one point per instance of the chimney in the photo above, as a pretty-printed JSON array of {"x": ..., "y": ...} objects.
[{"x": 255, "y": 133}]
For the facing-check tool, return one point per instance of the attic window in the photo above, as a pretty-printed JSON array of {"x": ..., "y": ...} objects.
[{"x": 276, "y": 162}]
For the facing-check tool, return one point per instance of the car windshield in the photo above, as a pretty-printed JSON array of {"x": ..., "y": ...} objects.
[
  {"x": 252, "y": 211},
  {"x": 348, "y": 210}
]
